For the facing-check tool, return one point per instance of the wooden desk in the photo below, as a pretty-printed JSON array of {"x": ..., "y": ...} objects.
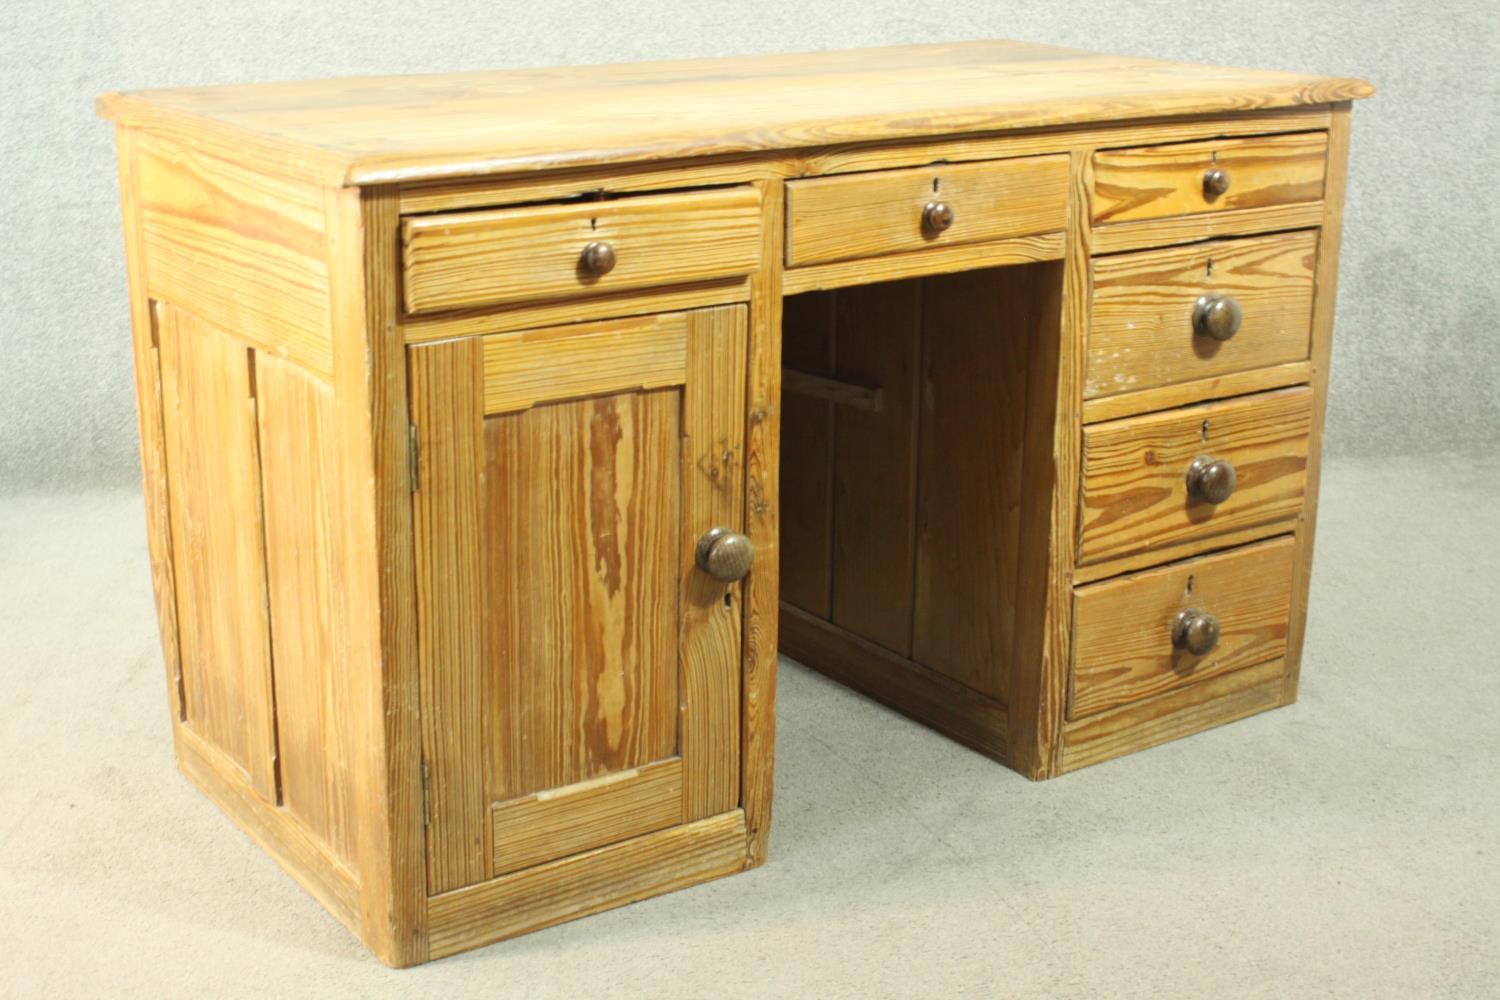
[{"x": 470, "y": 461}]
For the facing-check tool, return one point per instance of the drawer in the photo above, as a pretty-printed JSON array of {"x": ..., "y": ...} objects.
[
  {"x": 462, "y": 260},
  {"x": 1148, "y": 633},
  {"x": 1151, "y": 182},
  {"x": 1137, "y": 494},
  {"x": 890, "y": 211},
  {"x": 1150, "y": 326}
]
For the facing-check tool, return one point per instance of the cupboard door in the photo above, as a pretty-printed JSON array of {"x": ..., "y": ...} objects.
[{"x": 580, "y": 674}]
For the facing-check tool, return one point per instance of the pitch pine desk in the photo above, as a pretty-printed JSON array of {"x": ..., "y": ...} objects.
[{"x": 495, "y": 426}]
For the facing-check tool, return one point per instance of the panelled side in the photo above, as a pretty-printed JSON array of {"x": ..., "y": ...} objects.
[{"x": 244, "y": 476}]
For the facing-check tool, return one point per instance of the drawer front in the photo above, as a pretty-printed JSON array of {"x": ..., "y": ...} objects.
[
  {"x": 1136, "y": 490},
  {"x": 1148, "y": 328},
  {"x": 1131, "y": 635},
  {"x": 463, "y": 260},
  {"x": 866, "y": 215},
  {"x": 1152, "y": 182}
]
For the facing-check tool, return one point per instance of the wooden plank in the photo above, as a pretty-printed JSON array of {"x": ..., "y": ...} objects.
[
  {"x": 1322, "y": 349},
  {"x": 1144, "y": 234},
  {"x": 213, "y": 480},
  {"x": 379, "y": 130},
  {"x": 302, "y": 499},
  {"x": 938, "y": 260},
  {"x": 581, "y": 520},
  {"x": 377, "y": 583},
  {"x": 1122, "y": 640},
  {"x": 1142, "y": 333},
  {"x": 147, "y": 366},
  {"x": 713, "y": 478},
  {"x": 591, "y": 359},
  {"x": 763, "y": 525},
  {"x": 843, "y": 392},
  {"x": 1135, "y": 495},
  {"x": 553, "y": 824},
  {"x": 1202, "y": 390},
  {"x": 1044, "y": 614},
  {"x": 931, "y": 698},
  {"x": 1173, "y": 715},
  {"x": 535, "y": 316},
  {"x": 807, "y": 333},
  {"x": 977, "y": 334},
  {"x": 466, "y": 259},
  {"x": 875, "y": 482},
  {"x": 277, "y": 832},
  {"x": 448, "y": 514},
  {"x": 855, "y": 216},
  {"x": 586, "y": 883},
  {"x": 236, "y": 245},
  {"x": 1153, "y": 181}
]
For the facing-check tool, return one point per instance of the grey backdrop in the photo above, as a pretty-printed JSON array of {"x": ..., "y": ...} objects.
[{"x": 1418, "y": 336}]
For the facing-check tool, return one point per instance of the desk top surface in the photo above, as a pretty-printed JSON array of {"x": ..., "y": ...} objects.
[{"x": 374, "y": 130}]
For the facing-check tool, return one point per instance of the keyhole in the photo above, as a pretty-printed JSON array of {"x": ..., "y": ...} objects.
[
  {"x": 1190, "y": 587},
  {"x": 1209, "y": 269},
  {"x": 935, "y": 182},
  {"x": 1204, "y": 430}
]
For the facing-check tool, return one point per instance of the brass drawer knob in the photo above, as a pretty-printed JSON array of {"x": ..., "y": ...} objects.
[
  {"x": 1217, "y": 316},
  {"x": 725, "y": 555},
  {"x": 597, "y": 259},
  {"x": 1195, "y": 631},
  {"x": 1215, "y": 181},
  {"x": 1210, "y": 479},
  {"x": 937, "y": 217}
]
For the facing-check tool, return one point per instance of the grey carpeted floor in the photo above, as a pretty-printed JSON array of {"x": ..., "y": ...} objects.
[{"x": 1346, "y": 846}]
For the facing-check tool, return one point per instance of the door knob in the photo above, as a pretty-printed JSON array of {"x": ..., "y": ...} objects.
[
  {"x": 1217, "y": 316},
  {"x": 937, "y": 217},
  {"x": 725, "y": 555},
  {"x": 597, "y": 259},
  {"x": 1211, "y": 480},
  {"x": 1195, "y": 631}
]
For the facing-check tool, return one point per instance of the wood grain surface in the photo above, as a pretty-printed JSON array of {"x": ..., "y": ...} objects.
[
  {"x": 467, "y": 259},
  {"x": 1141, "y": 335},
  {"x": 575, "y": 818},
  {"x": 302, "y": 492},
  {"x": 376, "y": 130},
  {"x": 870, "y": 214},
  {"x": 1123, "y": 627},
  {"x": 1134, "y": 493},
  {"x": 213, "y": 485},
  {"x": 1154, "y": 181}
]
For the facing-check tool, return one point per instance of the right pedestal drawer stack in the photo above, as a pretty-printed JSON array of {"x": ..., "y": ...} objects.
[{"x": 1200, "y": 410}]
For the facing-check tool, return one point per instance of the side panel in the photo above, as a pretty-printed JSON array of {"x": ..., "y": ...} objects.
[
  {"x": 303, "y": 500},
  {"x": 213, "y": 484}
]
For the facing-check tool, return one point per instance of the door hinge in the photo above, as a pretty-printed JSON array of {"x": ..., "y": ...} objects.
[
  {"x": 414, "y": 450},
  {"x": 426, "y": 796}
]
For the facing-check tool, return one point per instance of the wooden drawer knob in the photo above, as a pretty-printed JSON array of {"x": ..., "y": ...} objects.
[
  {"x": 937, "y": 217},
  {"x": 1210, "y": 479},
  {"x": 1217, "y": 316},
  {"x": 1195, "y": 631},
  {"x": 597, "y": 259},
  {"x": 1215, "y": 182},
  {"x": 725, "y": 555}
]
